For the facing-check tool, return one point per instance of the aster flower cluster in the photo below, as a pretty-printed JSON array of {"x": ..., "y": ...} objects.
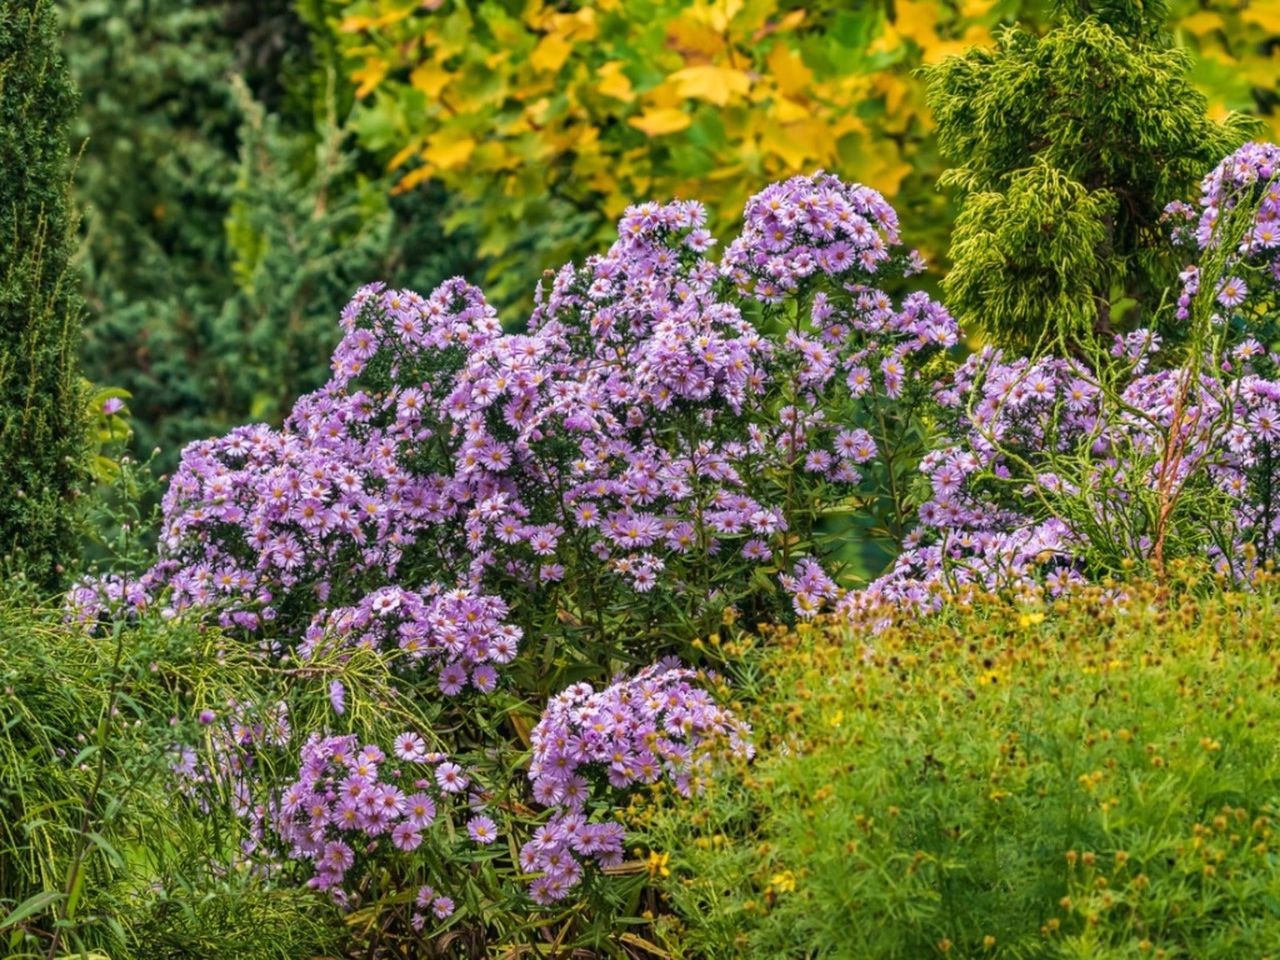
[
  {"x": 643, "y": 438},
  {"x": 657, "y": 724},
  {"x": 264, "y": 522},
  {"x": 352, "y": 805},
  {"x": 1250, "y": 176},
  {"x": 1053, "y": 470},
  {"x": 807, "y": 225},
  {"x": 460, "y": 630},
  {"x": 93, "y": 599}
]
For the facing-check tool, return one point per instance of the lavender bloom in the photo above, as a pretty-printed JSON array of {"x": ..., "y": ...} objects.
[{"x": 636, "y": 731}]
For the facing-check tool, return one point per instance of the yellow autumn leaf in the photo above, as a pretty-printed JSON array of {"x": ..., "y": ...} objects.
[
  {"x": 412, "y": 179},
  {"x": 403, "y": 154},
  {"x": 550, "y": 53},
  {"x": 355, "y": 23},
  {"x": 888, "y": 40},
  {"x": 788, "y": 111},
  {"x": 657, "y": 122},
  {"x": 846, "y": 124},
  {"x": 716, "y": 85},
  {"x": 446, "y": 150},
  {"x": 1202, "y": 22},
  {"x": 370, "y": 75},
  {"x": 614, "y": 83},
  {"x": 886, "y": 171},
  {"x": 577, "y": 26},
  {"x": 665, "y": 95},
  {"x": 717, "y": 14},
  {"x": 789, "y": 71},
  {"x": 430, "y": 78},
  {"x": 1218, "y": 111},
  {"x": 894, "y": 90},
  {"x": 801, "y": 144},
  {"x": 917, "y": 20},
  {"x": 942, "y": 49},
  {"x": 693, "y": 39}
]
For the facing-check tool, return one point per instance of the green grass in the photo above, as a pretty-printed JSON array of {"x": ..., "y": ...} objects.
[
  {"x": 1006, "y": 781},
  {"x": 98, "y": 856}
]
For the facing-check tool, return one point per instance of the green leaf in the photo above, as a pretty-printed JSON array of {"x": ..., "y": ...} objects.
[{"x": 30, "y": 907}]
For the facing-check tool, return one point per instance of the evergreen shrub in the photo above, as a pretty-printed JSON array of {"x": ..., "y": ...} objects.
[{"x": 42, "y": 405}]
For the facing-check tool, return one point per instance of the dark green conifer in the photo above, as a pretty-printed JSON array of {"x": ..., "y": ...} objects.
[
  {"x": 42, "y": 415},
  {"x": 1067, "y": 147}
]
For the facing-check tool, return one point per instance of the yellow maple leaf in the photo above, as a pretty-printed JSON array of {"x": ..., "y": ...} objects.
[
  {"x": 894, "y": 90},
  {"x": 717, "y": 14},
  {"x": 430, "y": 78},
  {"x": 550, "y": 53},
  {"x": 370, "y": 75},
  {"x": 788, "y": 111},
  {"x": 446, "y": 150},
  {"x": 580, "y": 25},
  {"x": 716, "y": 85},
  {"x": 693, "y": 39},
  {"x": 659, "y": 121},
  {"x": 403, "y": 154},
  {"x": 917, "y": 20},
  {"x": 412, "y": 179},
  {"x": 940, "y": 49},
  {"x": 356, "y": 22},
  {"x": 799, "y": 144},
  {"x": 888, "y": 40},
  {"x": 1265, "y": 14},
  {"x": 789, "y": 71},
  {"x": 614, "y": 83}
]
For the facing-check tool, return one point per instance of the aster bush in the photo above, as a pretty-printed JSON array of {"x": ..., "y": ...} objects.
[{"x": 462, "y": 522}]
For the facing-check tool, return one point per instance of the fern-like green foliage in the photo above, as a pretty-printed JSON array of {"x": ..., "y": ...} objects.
[
  {"x": 1030, "y": 251},
  {"x": 1066, "y": 148},
  {"x": 41, "y": 411}
]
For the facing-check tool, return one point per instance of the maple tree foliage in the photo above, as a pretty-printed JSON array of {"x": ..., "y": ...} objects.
[{"x": 546, "y": 119}]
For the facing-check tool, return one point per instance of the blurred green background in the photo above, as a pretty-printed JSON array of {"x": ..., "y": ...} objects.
[{"x": 244, "y": 165}]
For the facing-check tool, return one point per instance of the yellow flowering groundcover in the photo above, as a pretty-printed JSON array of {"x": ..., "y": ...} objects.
[{"x": 1092, "y": 778}]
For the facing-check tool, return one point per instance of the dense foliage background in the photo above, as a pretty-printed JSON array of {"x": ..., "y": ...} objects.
[{"x": 215, "y": 267}]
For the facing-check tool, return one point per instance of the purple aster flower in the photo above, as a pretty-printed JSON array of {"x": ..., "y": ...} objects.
[{"x": 482, "y": 830}]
